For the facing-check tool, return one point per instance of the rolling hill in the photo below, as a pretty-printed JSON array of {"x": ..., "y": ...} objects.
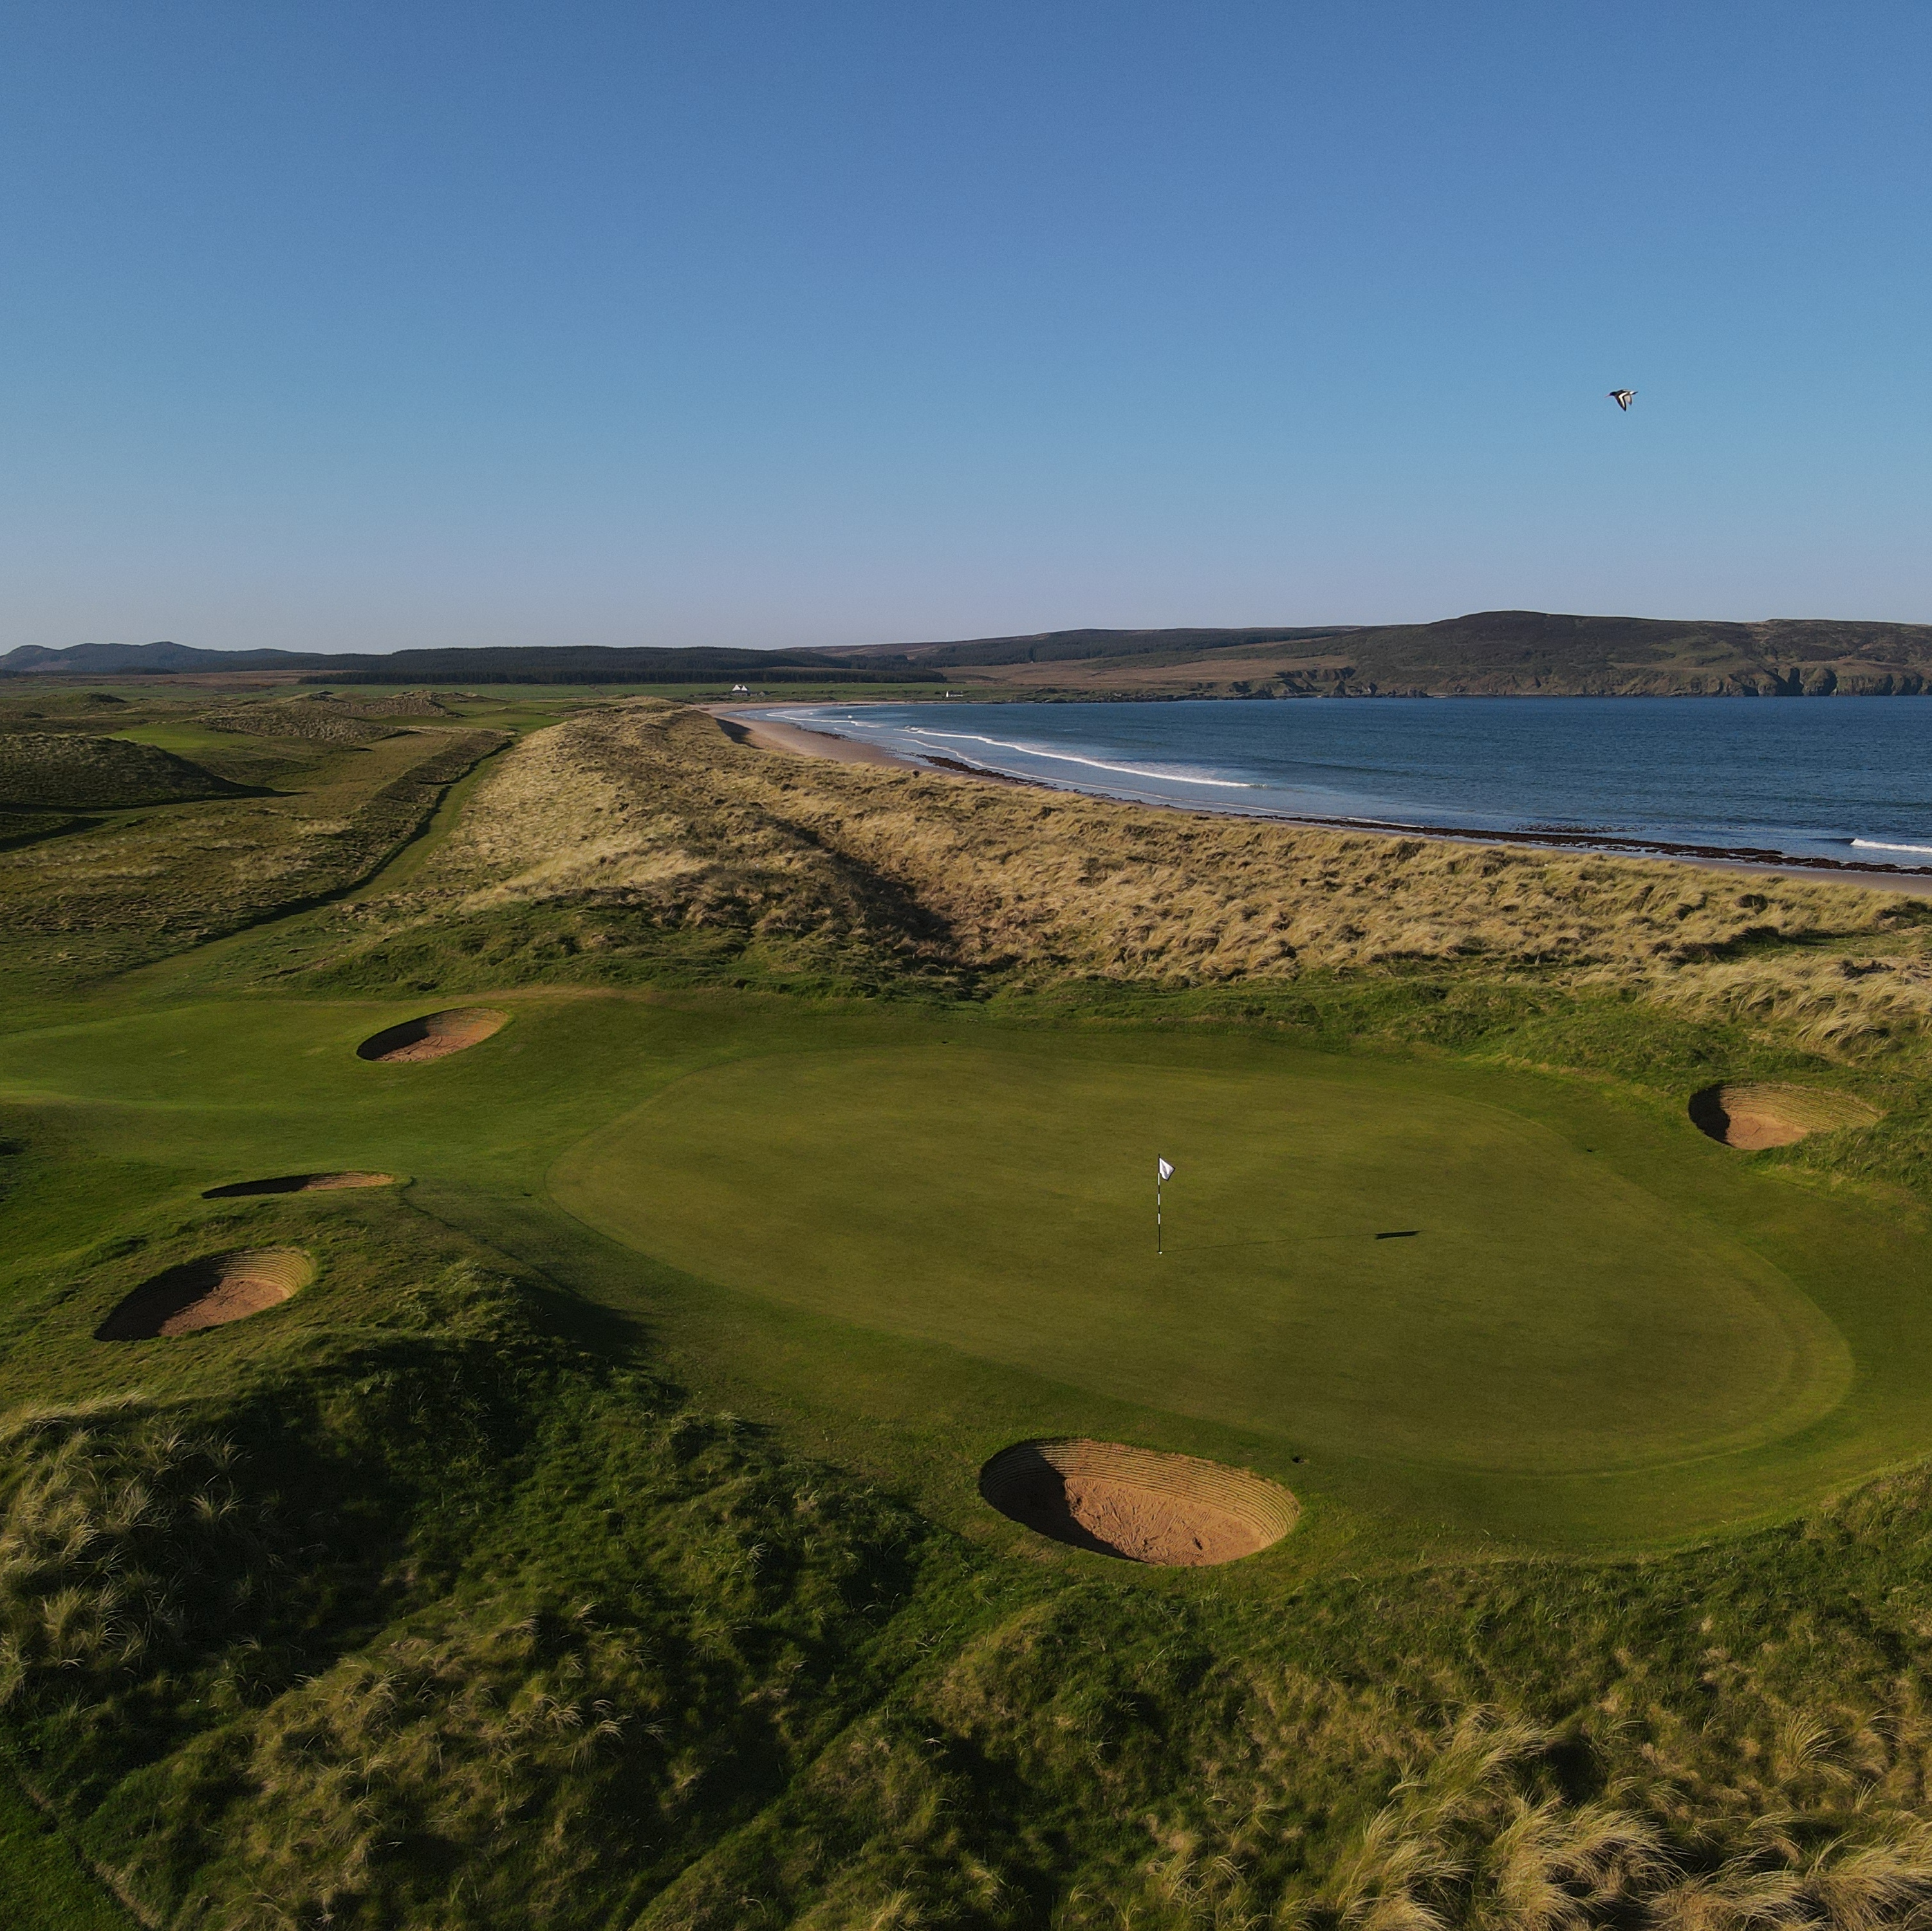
[
  {"x": 1506, "y": 652},
  {"x": 1497, "y": 653}
]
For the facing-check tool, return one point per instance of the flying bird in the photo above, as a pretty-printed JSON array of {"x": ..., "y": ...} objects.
[{"x": 1623, "y": 398}]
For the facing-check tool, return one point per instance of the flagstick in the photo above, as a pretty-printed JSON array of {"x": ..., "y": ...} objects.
[{"x": 1157, "y": 1213}]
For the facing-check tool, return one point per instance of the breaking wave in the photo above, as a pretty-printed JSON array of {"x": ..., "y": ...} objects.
[{"x": 1169, "y": 776}]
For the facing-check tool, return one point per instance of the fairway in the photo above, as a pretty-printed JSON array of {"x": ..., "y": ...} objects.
[{"x": 1369, "y": 1268}]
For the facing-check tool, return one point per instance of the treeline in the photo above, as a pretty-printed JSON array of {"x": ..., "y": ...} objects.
[{"x": 543, "y": 674}]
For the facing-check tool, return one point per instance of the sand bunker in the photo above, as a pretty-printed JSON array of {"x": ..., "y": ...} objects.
[
  {"x": 1751, "y": 1114},
  {"x": 298, "y": 1183},
  {"x": 208, "y": 1293},
  {"x": 1172, "y": 1509},
  {"x": 434, "y": 1037}
]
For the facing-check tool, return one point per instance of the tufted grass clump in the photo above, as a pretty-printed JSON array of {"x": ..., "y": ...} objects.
[{"x": 125, "y": 1546}]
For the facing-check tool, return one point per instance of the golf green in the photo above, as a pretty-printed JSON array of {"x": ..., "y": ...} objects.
[{"x": 1385, "y": 1271}]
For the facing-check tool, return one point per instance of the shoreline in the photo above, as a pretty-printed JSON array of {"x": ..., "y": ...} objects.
[
  {"x": 799, "y": 740},
  {"x": 805, "y": 741}
]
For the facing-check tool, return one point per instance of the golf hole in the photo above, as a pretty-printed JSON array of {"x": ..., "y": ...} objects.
[
  {"x": 298, "y": 1183},
  {"x": 1752, "y": 1114},
  {"x": 1174, "y": 1511},
  {"x": 435, "y": 1036},
  {"x": 209, "y": 1293}
]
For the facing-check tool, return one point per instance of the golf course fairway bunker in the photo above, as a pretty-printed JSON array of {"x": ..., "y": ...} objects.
[
  {"x": 1175, "y": 1511},
  {"x": 209, "y": 1293},
  {"x": 298, "y": 1183},
  {"x": 434, "y": 1036},
  {"x": 1549, "y": 1318},
  {"x": 1753, "y": 1114}
]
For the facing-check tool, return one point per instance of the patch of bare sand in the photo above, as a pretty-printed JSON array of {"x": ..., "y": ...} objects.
[
  {"x": 298, "y": 1183},
  {"x": 1174, "y": 1510},
  {"x": 434, "y": 1036},
  {"x": 765, "y": 734},
  {"x": 209, "y": 1293},
  {"x": 1753, "y": 1114}
]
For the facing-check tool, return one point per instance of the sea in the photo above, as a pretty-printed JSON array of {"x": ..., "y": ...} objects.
[{"x": 1820, "y": 781}]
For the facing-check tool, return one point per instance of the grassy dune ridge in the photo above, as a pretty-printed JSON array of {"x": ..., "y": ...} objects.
[
  {"x": 640, "y": 828},
  {"x": 139, "y": 886},
  {"x": 83, "y": 772},
  {"x": 458, "y": 1591}
]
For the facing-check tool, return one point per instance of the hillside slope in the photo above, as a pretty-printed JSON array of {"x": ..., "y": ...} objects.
[
  {"x": 1503, "y": 653},
  {"x": 1495, "y": 653},
  {"x": 77, "y": 772}
]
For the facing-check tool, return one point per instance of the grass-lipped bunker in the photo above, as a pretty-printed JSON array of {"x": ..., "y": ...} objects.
[
  {"x": 298, "y": 1183},
  {"x": 208, "y": 1293},
  {"x": 434, "y": 1036},
  {"x": 1175, "y": 1511},
  {"x": 1752, "y": 1114}
]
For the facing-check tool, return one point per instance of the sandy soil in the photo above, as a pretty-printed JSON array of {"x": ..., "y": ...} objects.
[
  {"x": 1173, "y": 1510},
  {"x": 298, "y": 1183},
  {"x": 435, "y": 1036},
  {"x": 1750, "y": 1115},
  {"x": 764, "y": 734},
  {"x": 209, "y": 1293}
]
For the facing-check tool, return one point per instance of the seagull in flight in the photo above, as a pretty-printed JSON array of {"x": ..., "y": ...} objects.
[{"x": 1623, "y": 398}]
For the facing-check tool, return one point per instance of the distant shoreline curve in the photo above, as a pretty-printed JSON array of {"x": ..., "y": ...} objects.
[{"x": 797, "y": 739}]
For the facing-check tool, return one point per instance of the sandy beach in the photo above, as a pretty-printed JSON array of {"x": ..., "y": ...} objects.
[{"x": 765, "y": 733}]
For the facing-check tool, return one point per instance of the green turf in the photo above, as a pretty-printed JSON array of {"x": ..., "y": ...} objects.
[
  {"x": 43, "y": 1884},
  {"x": 1369, "y": 1266},
  {"x": 931, "y": 1234},
  {"x": 186, "y": 739}
]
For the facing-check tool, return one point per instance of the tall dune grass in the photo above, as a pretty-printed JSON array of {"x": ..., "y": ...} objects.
[{"x": 646, "y": 818}]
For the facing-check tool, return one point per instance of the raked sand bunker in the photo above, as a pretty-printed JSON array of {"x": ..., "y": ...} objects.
[
  {"x": 1175, "y": 1511},
  {"x": 435, "y": 1036},
  {"x": 298, "y": 1183},
  {"x": 209, "y": 1293},
  {"x": 1753, "y": 1114}
]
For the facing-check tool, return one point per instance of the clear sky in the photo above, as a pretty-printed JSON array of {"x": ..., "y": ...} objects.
[{"x": 364, "y": 325}]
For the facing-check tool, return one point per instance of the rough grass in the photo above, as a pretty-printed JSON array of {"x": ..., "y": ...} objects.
[
  {"x": 647, "y": 812},
  {"x": 75, "y": 771},
  {"x": 636, "y": 843},
  {"x": 321, "y": 719},
  {"x": 28, "y": 827},
  {"x": 145, "y": 885},
  {"x": 422, "y": 1614}
]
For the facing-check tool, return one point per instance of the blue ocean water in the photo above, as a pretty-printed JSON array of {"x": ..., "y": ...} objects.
[{"x": 1844, "y": 780}]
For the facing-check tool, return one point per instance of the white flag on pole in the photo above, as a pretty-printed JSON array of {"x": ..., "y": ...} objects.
[{"x": 1163, "y": 1169}]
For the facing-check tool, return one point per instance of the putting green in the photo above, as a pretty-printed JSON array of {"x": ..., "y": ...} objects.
[{"x": 1370, "y": 1267}]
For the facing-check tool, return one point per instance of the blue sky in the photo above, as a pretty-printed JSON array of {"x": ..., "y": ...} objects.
[{"x": 366, "y": 326}]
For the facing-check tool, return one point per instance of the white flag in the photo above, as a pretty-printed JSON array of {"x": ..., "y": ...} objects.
[{"x": 1163, "y": 1169}]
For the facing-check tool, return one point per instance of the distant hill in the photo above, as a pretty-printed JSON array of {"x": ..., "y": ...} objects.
[
  {"x": 122, "y": 660},
  {"x": 565, "y": 663},
  {"x": 1494, "y": 653},
  {"x": 1491, "y": 653},
  {"x": 1056, "y": 647},
  {"x": 573, "y": 664}
]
